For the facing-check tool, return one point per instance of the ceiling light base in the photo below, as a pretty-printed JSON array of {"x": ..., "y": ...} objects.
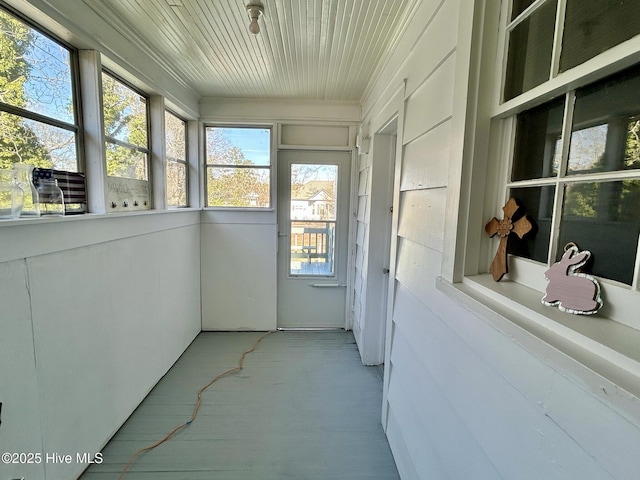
[{"x": 254, "y": 12}]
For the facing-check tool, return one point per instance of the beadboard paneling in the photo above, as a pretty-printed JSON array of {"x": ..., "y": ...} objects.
[{"x": 309, "y": 49}]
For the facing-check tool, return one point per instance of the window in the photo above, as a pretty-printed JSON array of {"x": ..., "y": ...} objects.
[
  {"x": 594, "y": 186},
  {"x": 125, "y": 129},
  {"x": 584, "y": 29},
  {"x": 38, "y": 108},
  {"x": 571, "y": 152},
  {"x": 238, "y": 166},
  {"x": 176, "y": 153}
]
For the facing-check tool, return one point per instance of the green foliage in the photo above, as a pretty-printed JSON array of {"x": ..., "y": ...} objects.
[
  {"x": 125, "y": 119},
  {"x": 231, "y": 181},
  {"x": 18, "y": 142},
  {"x": 632, "y": 152},
  {"x": 14, "y": 41},
  {"x": 581, "y": 200},
  {"x": 238, "y": 187}
]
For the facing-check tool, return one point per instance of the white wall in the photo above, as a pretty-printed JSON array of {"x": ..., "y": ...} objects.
[
  {"x": 238, "y": 270},
  {"x": 239, "y": 247},
  {"x": 95, "y": 311},
  {"x": 468, "y": 394}
]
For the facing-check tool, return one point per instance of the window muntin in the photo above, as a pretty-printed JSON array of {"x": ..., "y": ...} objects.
[
  {"x": 539, "y": 206},
  {"x": 530, "y": 51},
  {"x": 548, "y": 37},
  {"x": 126, "y": 129},
  {"x": 238, "y": 166},
  {"x": 596, "y": 195},
  {"x": 176, "y": 153},
  {"x": 538, "y": 147},
  {"x": 606, "y": 124},
  {"x": 520, "y": 6},
  {"x": 38, "y": 111}
]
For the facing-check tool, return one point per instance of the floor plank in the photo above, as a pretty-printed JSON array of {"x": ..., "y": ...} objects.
[{"x": 303, "y": 407}]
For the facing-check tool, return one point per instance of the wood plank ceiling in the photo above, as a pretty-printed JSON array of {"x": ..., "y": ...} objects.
[{"x": 306, "y": 49}]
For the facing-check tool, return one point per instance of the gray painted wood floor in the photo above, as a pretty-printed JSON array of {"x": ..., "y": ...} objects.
[{"x": 303, "y": 407}]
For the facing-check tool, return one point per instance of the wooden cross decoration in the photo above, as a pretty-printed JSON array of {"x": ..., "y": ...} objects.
[{"x": 503, "y": 228}]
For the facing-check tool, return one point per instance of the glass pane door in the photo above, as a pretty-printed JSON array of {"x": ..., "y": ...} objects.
[{"x": 312, "y": 224}]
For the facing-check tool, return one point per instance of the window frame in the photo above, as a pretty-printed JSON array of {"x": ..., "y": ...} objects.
[
  {"x": 621, "y": 301},
  {"x": 77, "y": 127},
  {"x": 271, "y": 168},
  {"x": 184, "y": 161},
  {"x": 114, "y": 141}
]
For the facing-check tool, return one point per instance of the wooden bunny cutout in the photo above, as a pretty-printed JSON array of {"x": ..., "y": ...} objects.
[{"x": 572, "y": 292}]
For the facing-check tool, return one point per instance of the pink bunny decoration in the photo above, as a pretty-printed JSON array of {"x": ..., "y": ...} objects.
[{"x": 572, "y": 292}]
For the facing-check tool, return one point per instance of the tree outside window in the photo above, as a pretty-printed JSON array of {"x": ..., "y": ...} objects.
[
  {"x": 126, "y": 129},
  {"x": 176, "y": 154},
  {"x": 37, "y": 104},
  {"x": 238, "y": 167}
]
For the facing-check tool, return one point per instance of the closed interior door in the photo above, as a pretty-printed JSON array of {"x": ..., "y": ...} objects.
[{"x": 313, "y": 197}]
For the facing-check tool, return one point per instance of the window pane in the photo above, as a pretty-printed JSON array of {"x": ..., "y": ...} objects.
[
  {"x": 537, "y": 202},
  {"x": 36, "y": 71},
  {"x": 175, "y": 137},
  {"x": 313, "y": 192},
  {"x": 312, "y": 248},
  {"x": 36, "y": 143},
  {"x": 520, "y": 6},
  {"x": 606, "y": 125},
  {"x": 238, "y": 187},
  {"x": 604, "y": 218},
  {"x": 126, "y": 162},
  {"x": 538, "y": 142},
  {"x": 125, "y": 112},
  {"x": 176, "y": 149},
  {"x": 242, "y": 159},
  {"x": 593, "y": 26},
  {"x": 238, "y": 146},
  {"x": 530, "y": 47},
  {"x": 587, "y": 149},
  {"x": 176, "y": 184}
]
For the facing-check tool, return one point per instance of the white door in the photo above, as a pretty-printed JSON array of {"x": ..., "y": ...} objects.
[{"x": 313, "y": 218}]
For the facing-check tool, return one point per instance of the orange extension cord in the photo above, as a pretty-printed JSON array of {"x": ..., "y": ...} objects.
[{"x": 196, "y": 408}]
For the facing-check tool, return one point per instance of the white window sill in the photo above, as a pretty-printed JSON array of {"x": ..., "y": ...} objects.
[
  {"x": 239, "y": 209},
  {"x": 91, "y": 216},
  {"x": 604, "y": 346}
]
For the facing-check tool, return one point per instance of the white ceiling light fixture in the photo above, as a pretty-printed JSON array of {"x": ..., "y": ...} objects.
[{"x": 254, "y": 12}]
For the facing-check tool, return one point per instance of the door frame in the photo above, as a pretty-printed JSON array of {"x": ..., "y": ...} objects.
[
  {"x": 351, "y": 221},
  {"x": 393, "y": 250},
  {"x": 371, "y": 338}
]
